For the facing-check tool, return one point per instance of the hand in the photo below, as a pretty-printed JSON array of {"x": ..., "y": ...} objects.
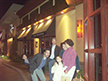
[
  {"x": 65, "y": 71},
  {"x": 24, "y": 57},
  {"x": 78, "y": 71}
]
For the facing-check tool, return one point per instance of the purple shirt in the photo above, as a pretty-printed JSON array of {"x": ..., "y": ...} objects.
[{"x": 69, "y": 58}]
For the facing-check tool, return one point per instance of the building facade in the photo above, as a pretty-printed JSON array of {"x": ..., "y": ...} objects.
[
  {"x": 84, "y": 21},
  {"x": 8, "y": 24}
]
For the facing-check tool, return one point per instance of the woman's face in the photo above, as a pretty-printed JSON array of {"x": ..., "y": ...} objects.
[
  {"x": 67, "y": 46},
  {"x": 58, "y": 59},
  {"x": 64, "y": 46}
]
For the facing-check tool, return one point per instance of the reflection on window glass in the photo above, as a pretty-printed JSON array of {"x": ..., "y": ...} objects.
[
  {"x": 96, "y": 4},
  {"x": 97, "y": 31},
  {"x": 98, "y": 67}
]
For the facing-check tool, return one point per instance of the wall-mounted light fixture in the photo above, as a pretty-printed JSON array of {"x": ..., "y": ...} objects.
[
  {"x": 79, "y": 29},
  {"x": 29, "y": 26},
  {"x": 64, "y": 11},
  {"x": 49, "y": 17},
  {"x": 41, "y": 21}
]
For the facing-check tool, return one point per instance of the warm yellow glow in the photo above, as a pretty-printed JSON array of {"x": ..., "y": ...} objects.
[
  {"x": 7, "y": 54},
  {"x": 41, "y": 20},
  {"x": 29, "y": 26},
  {"x": 62, "y": 12},
  {"x": 10, "y": 40},
  {"x": 36, "y": 23},
  {"x": 35, "y": 27},
  {"x": 36, "y": 45},
  {"x": 27, "y": 31},
  {"x": 24, "y": 28},
  {"x": 65, "y": 10},
  {"x": 66, "y": 27},
  {"x": 68, "y": 1},
  {"x": 48, "y": 21},
  {"x": 49, "y": 17},
  {"x": 79, "y": 28},
  {"x": 41, "y": 25},
  {"x": 22, "y": 33}
]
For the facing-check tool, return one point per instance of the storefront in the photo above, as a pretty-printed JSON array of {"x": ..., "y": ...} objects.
[
  {"x": 25, "y": 41},
  {"x": 44, "y": 30}
]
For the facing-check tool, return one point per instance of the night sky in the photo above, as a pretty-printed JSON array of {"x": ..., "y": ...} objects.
[{"x": 5, "y": 4}]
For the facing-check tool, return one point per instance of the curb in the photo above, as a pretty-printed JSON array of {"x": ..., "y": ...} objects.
[{"x": 22, "y": 75}]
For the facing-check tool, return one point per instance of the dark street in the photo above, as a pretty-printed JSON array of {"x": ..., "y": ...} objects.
[{"x": 8, "y": 74}]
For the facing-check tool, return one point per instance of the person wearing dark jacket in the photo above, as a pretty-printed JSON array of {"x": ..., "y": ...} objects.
[
  {"x": 54, "y": 51},
  {"x": 36, "y": 63}
]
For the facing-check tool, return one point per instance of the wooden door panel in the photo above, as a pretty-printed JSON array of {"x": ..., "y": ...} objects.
[{"x": 106, "y": 15}]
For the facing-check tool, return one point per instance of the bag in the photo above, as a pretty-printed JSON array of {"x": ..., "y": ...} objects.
[
  {"x": 65, "y": 78},
  {"x": 78, "y": 79}
]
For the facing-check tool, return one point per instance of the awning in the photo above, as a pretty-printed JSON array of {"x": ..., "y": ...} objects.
[
  {"x": 43, "y": 28},
  {"x": 21, "y": 35},
  {"x": 25, "y": 34}
]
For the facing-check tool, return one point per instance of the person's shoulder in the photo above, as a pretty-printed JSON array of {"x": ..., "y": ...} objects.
[
  {"x": 61, "y": 51},
  {"x": 38, "y": 54}
]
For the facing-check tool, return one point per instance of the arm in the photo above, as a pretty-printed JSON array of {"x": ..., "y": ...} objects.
[
  {"x": 25, "y": 59},
  {"x": 53, "y": 69},
  {"x": 77, "y": 63},
  {"x": 71, "y": 60}
]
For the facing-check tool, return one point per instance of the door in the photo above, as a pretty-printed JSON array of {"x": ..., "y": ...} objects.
[
  {"x": 45, "y": 42},
  {"x": 106, "y": 39}
]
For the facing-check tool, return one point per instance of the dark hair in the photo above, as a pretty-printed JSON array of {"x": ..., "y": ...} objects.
[
  {"x": 69, "y": 42},
  {"x": 54, "y": 38},
  {"x": 47, "y": 49},
  {"x": 56, "y": 60},
  {"x": 62, "y": 44}
]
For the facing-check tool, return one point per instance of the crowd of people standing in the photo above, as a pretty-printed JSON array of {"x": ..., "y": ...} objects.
[{"x": 62, "y": 63}]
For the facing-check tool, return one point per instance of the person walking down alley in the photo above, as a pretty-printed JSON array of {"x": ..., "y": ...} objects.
[
  {"x": 55, "y": 50},
  {"x": 36, "y": 63}
]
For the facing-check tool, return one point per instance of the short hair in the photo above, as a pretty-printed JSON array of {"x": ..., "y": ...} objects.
[
  {"x": 47, "y": 49},
  {"x": 54, "y": 38},
  {"x": 69, "y": 42}
]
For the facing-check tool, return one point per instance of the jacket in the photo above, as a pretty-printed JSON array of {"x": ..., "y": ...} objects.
[
  {"x": 56, "y": 52},
  {"x": 35, "y": 62}
]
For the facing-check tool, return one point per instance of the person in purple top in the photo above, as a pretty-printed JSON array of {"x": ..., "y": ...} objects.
[
  {"x": 63, "y": 46},
  {"x": 69, "y": 59}
]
